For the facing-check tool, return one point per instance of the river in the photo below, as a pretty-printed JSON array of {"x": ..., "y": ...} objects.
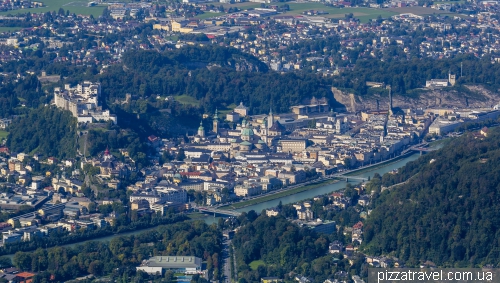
[{"x": 381, "y": 169}]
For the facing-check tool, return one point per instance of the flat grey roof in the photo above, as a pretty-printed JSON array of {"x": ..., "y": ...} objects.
[{"x": 174, "y": 262}]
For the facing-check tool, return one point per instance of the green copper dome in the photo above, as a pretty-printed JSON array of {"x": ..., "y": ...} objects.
[{"x": 247, "y": 132}]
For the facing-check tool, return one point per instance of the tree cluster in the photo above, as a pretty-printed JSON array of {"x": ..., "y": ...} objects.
[
  {"x": 122, "y": 252},
  {"x": 284, "y": 248},
  {"x": 45, "y": 130}
]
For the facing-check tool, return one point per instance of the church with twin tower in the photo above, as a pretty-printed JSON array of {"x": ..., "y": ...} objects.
[{"x": 246, "y": 137}]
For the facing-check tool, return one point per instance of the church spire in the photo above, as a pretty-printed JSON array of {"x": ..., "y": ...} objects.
[
  {"x": 215, "y": 127},
  {"x": 270, "y": 121}
]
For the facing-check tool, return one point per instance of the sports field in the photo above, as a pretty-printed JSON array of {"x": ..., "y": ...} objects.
[{"x": 77, "y": 7}]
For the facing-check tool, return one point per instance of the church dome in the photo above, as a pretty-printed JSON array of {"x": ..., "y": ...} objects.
[{"x": 247, "y": 132}]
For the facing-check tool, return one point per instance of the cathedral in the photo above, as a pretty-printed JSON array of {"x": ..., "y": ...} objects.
[{"x": 246, "y": 137}]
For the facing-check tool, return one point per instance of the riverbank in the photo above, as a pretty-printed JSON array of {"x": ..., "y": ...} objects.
[
  {"x": 377, "y": 165},
  {"x": 277, "y": 195}
]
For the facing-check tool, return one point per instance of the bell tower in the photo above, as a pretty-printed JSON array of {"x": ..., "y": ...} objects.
[
  {"x": 201, "y": 130},
  {"x": 216, "y": 123},
  {"x": 270, "y": 121}
]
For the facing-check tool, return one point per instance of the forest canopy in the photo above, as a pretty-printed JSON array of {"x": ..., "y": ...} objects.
[
  {"x": 448, "y": 212},
  {"x": 45, "y": 130}
]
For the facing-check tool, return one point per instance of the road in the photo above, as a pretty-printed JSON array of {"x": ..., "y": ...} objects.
[
  {"x": 227, "y": 260},
  {"x": 316, "y": 180}
]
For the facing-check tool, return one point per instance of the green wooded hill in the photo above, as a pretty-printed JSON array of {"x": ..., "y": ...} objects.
[
  {"x": 214, "y": 77},
  {"x": 273, "y": 246},
  {"x": 448, "y": 212},
  {"x": 44, "y": 130}
]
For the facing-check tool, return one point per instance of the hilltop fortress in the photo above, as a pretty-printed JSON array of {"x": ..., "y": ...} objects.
[{"x": 83, "y": 102}]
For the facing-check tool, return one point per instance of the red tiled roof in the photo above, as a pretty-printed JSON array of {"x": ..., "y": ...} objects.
[{"x": 25, "y": 275}]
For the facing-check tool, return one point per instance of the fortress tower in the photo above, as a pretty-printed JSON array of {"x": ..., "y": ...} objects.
[{"x": 452, "y": 79}]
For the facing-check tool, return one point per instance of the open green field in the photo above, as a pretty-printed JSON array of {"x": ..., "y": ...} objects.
[
  {"x": 78, "y": 7},
  {"x": 9, "y": 29},
  {"x": 449, "y": 2},
  {"x": 417, "y": 10},
  {"x": 3, "y": 134},
  {"x": 364, "y": 14},
  {"x": 255, "y": 264},
  {"x": 242, "y": 6},
  {"x": 278, "y": 195},
  {"x": 187, "y": 100},
  {"x": 207, "y": 15}
]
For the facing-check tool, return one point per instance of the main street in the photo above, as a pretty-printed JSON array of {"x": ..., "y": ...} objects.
[{"x": 227, "y": 260}]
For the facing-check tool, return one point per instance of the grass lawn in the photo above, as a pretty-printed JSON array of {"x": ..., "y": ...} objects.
[
  {"x": 254, "y": 264},
  {"x": 9, "y": 29},
  {"x": 172, "y": 38},
  {"x": 3, "y": 134},
  {"x": 207, "y": 15},
  {"x": 185, "y": 99},
  {"x": 74, "y": 6},
  {"x": 227, "y": 109},
  {"x": 277, "y": 195}
]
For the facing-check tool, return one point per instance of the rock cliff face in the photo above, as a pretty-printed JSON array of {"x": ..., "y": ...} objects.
[
  {"x": 242, "y": 64},
  {"x": 239, "y": 64},
  {"x": 475, "y": 97}
]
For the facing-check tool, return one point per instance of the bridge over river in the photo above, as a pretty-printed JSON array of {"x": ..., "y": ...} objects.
[
  {"x": 214, "y": 210},
  {"x": 422, "y": 147}
]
